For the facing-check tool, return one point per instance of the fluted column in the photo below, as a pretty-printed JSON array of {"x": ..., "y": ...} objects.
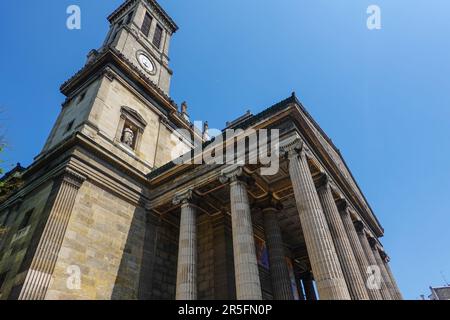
[
  {"x": 380, "y": 284},
  {"x": 397, "y": 293},
  {"x": 358, "y": 251},
  {"x": 248, "y": 286},
  {"x": 279, "y": 273},
  {"x": 352, "y": 274},
  {"x": 385, "y": 275},
  {"x": 59, "y": 208},
  {"x": 322, "y": 254},
  {"x": 187, "y": 249}
]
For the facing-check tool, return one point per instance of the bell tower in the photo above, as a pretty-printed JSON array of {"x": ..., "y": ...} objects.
[
  {"x": 141, "y": 30},
  {"x": 84, "y": 200},
  {"x": 120, "y": 99}
]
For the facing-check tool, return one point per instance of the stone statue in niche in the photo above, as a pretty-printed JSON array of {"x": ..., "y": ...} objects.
[{"x": 128, "y": 137}]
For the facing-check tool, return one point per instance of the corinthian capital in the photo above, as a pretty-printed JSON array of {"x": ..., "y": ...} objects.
[
  {"x": 231, "y": 174},
  {"x": 183, "y": 197},
  {"x": 359, "y": 226},
  {"x": 373, "y": 243},
  {"x": 343, "y": 206},
  {"x": 292, "y": 147},
  {"x": 384, "y": 256},
  {"x": 235, "y": 173},
  {"x": 323, "y": 181},
  {"x": 269, "y": 203},
  {"x": 73, "y": 178}
]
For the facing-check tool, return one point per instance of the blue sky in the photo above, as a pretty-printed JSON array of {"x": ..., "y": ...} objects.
[{"x": 382, "y": 96}]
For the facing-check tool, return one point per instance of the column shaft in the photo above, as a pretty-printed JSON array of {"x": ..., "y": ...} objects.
[
  {"x": 187, "y": 254},
  {"x": 372, "y": 262},
  {"x": 398, "y": 294},
  {"x": 322, "y": 254},
  {"x": 352, "y": 274},
  {"x": 308, "y": 285},
  {"x": 248, "y": 286},
  {"x": 299, "y": 283},
  {"x": 279, "y": 273},
  {"x": 384, "y": 275},
  {"x": 358, "y": 252}
]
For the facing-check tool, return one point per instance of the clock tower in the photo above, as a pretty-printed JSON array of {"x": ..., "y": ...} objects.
[
  {"x": 120, "y": 98},
  {"x": 141, "y": 31},
  {"x": 86, "y": 195}
]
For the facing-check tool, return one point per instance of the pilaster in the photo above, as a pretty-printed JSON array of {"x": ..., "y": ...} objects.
[{"x": 44, "y": 260}]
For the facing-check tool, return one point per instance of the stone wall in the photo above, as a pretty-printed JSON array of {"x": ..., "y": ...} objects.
[
  {"x": 224, "y": 282},
  {"x": 104, "y": 239},
  {"x": 76, "y": 110},
  {"x": 17, "y": 244},
  {"x": 157, "y": 144},
  {"x": 205, "y": 258},
  {"x": 165, "y": 262},
  {"x": 129, "y": 43}
]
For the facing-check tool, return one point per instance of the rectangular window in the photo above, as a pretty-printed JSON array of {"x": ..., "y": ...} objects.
[
  {"x": 158, "y": 36},
  {"x": 81, "y": 97},
  {"x": 146, "y": 24},
  {"x": 130, "y": 17},
  {"x": 26, "y": 219},
  {"x": 70, "y": 125}
]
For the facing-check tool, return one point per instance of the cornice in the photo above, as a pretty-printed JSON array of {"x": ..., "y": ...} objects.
[
  {"x": 327, "y": 161},
  {"x": 153, "y": 5},
  {"x": 276, "y": 108},
  {"x": 74, "y": 170},
  {"x": 68, "y": 85},
  {"x": 110, "y": 55}
]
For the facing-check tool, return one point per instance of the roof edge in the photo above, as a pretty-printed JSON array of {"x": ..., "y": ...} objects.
[{"x": 152, "y": 3}]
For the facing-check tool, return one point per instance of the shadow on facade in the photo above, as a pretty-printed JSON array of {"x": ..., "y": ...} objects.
[{"x": 148, "y": 267}]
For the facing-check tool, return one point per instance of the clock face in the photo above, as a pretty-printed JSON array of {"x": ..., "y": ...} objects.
[{"x": 146, "y": 63}]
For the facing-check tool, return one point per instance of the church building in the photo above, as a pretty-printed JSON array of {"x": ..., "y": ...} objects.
[{"x": 105, "y": 212}]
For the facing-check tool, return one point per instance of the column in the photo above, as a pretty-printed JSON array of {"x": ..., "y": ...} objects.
[
  {"x": 352, "y": 274},
  {"x": 187, "y": 249},
  {"x": 379, "y": 283},
  {"x": 384, "y": 274},
  {"x": 322, "y": 254},
  {"x": 57, "y": 214},
  {"x": 279, "y": 273},
  {"x": 398, "y": 294},
  {"x": 224, "y": 282},
  {"x": 308, "y": 285},
  {"x": 299, "y": 283},
  {"x": 248, "y": 286},
  {"x": 358, "y": 251}
]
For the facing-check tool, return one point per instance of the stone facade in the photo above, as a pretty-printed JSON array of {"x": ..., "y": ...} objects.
[{"x": 104, "y": 213}]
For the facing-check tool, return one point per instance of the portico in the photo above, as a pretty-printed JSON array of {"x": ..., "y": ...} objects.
[{"x": 308, "y": 216}]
